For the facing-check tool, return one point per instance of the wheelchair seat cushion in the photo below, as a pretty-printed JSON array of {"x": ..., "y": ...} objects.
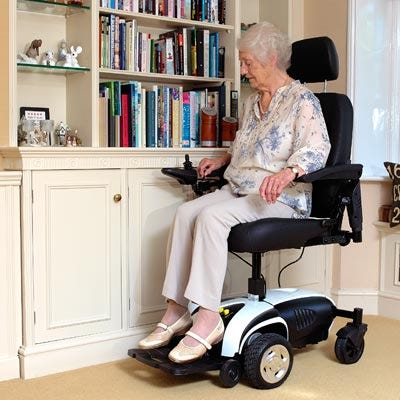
[{"x": 275, "y": 233}]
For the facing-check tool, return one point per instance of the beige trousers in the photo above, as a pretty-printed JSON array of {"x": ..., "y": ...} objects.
[{"x": 197, "y": 251}]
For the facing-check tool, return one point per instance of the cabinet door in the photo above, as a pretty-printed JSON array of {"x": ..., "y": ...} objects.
[
  {"x": 77, "y": 257},
  {"x": 153, "y": 199},
  {"x": 312, "y": 272}
]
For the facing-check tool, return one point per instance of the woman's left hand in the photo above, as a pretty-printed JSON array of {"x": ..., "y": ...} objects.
[{"x": 273, "y": 185}]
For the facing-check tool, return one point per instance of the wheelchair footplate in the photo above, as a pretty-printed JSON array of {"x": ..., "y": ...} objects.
[{"x": 158, "y": 358}]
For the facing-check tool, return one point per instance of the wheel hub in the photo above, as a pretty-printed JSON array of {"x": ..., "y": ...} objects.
[{"x": 275, "y": 363}]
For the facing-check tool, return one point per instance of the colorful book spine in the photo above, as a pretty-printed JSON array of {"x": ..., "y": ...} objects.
[
  {"x": 124, "y": 121},
  {"x": 176, "y": 117},
  {"x": 122, "y": 43},
  {"x": 194, "y": 119},
  {"x": 166, "y": 102},
  {"x": 117, "y": 64},
  {"x": 169, "y": 56},
  {"x": 186, "y": 119},
  {"x": 151, "y": 128}
]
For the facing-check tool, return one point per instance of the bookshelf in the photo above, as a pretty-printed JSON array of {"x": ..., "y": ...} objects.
[{"x": 71, "y": 94}]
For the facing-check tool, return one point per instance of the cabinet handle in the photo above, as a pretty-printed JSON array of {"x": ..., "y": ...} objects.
[{"x": 117, "y": 197}]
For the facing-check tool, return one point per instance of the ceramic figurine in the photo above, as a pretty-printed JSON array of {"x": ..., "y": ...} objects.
[{"x": 32, "y": 54}]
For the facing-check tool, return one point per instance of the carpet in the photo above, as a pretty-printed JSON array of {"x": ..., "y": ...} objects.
[{"x": 316, "y": 374}]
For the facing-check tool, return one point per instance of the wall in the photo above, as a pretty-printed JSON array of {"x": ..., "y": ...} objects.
[
  {"x": 4, "y": 72},
  {"x": 356, "y": 268},
  {"x": 329, "y": 18}
]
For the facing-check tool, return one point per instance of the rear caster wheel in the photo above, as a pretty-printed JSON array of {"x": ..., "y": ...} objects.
[
  {"x": 268, "y": 361},
  {"x": 230, "y": 373},
  {"x": 346, "y": 352}
]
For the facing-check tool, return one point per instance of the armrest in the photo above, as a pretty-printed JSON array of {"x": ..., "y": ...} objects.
[
  {"x": 344, "y": 171},
  {"x": 182, "y": 175},
  {"x": 189, "y": 176}
]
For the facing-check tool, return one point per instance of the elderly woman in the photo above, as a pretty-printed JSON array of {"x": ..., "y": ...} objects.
[{"x": 282, "y": 136}]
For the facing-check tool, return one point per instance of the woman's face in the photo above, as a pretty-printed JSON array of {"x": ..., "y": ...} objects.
[{"x": 257, "y": 73}]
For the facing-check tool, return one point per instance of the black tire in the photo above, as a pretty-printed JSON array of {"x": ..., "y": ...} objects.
[
  {"x": 230, "y": 373},
  {"x": 268, "y": 361},
  {"x": 346, "y": 352}
]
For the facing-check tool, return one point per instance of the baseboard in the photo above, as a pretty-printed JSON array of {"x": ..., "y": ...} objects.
[
  {"x": 65, "y": 355},
  {"x": 350, "y": 298},
  {"x": 389, "y": 305},
  {"x": 9, "y": 368}
]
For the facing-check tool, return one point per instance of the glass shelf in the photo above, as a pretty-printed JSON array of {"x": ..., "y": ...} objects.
[
  {"x": 56, "y": 69},
  {"x": 50, "y": 7}
]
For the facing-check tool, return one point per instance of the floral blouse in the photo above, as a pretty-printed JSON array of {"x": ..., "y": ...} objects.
[{"x": 292, "y": 132}]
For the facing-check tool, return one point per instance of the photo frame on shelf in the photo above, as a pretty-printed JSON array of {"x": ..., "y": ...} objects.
[
  {"x": 34, "y": 113},
  {"x": 35, "y": 127}
]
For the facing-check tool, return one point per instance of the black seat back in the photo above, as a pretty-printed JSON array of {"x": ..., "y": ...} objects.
[{"x": 316, "y": 60}]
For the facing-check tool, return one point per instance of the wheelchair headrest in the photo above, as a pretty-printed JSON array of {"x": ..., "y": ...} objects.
[{"x": 314, "y": 60}]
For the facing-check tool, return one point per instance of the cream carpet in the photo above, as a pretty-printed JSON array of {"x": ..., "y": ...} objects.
[{"x": 316, "y": 374}]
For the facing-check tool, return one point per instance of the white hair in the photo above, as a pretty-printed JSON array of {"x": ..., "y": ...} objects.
[{"x": 265, "y": 39}]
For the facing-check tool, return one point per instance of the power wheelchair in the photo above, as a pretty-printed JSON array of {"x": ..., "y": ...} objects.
[{"x": 262, "y": 328}]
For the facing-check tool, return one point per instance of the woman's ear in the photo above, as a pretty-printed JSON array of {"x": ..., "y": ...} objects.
[{"x": 273, "y": 59}]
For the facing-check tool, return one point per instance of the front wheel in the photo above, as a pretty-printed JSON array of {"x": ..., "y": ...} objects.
[
  {"x": 268, "y": 361},
  {"x": 230, "y": 373},
  {"x": 346, "y": 352}
]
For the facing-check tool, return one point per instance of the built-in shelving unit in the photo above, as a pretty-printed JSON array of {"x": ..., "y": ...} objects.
[{"x": 71, "y": 94}]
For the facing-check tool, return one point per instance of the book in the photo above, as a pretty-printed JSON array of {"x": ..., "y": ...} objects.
[
  {"x": 194, "y": 119},
  {"x": 159, "y": 56},
  {"x": 176, "y": 115},
  {"x": 138, "y": 114},
  {"x": 234, "y": 104},
  {"x": 132, "y": 90},
  {"x": 214, "y": 12},
  {"x": 203, "y": 49},
  {"x": 143, "y": 130},
  {"x": 117, "y": 53},
  {"x": 192, "y": 70},
  {"x": 213, "y": 54},
  {"x": 172, "y": 52},
  {"x": 122, "y": 43},
  {"x": 169, "y": 56},
  {"x": 111, "y": 37},
  {"x": 221, "y": 11},
  {"x": 221, "y": 62},
  {"x": 151, "y": 128},
  {"x": 166, "y": 117},
  {"x": 114, "y": 88},
  {"x": 185, "y": 119},
  {"x": 124, "y": 121}
]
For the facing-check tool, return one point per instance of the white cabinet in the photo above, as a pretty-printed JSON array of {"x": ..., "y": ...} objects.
[
  {"x": 76, "y": 252},
  {"x": 94, "y": 225},
  {"x": 10, "y": 275},
  {"x": 74, "y": 280},
  {"x": 153, "y": 199}
]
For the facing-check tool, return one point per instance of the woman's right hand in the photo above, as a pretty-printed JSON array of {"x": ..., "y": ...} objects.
[{"x": 208, "y": 165}]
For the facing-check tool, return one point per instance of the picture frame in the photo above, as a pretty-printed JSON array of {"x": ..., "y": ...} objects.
[{"x": 34, "y": 113}]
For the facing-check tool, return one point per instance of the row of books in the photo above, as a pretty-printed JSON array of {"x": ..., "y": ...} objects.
[
  {"x": 132, "y": 115},
  {"x": 213, "y": 11},
  {"x": 183, "y": 51}
]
